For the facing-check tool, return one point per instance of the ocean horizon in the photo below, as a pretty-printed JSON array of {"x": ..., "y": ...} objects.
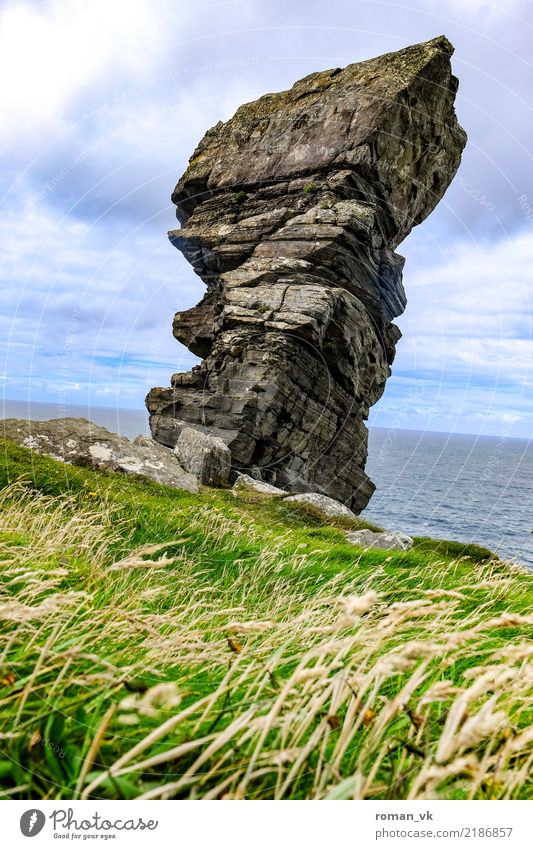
[{"x": 447, "y": 486}]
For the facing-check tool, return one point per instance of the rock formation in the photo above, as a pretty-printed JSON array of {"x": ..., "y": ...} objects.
[
  {"x": 380, "y": 539},
  {"x": 208, "y": 458},
  {"x": 82, "y": 443},
  {"x": 323, "y": 503},
  {"x": 290, "y": 213}
]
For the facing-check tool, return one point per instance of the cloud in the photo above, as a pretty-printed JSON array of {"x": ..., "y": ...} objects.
[
  {"x": 104, "y": 103},
  {"x": 493, "y": 9},
  {"x": 83, "y": 313},
  {"x": 475, "y": 294},
  {"x": 48, "y": 53},
  {"x": 465, "y": 361}
]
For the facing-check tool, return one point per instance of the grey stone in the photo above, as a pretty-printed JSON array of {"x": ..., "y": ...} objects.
[
  {"x": 82, "y": 443},
  {"x": 206, "y": 457},
  {"x": 326, "y": 505},
  {"x": 381, "y": 539},
  {"x": 249, "y": 484},
  {"x": 291, "y": 212}
]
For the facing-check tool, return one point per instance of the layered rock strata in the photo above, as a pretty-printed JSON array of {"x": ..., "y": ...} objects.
[{"x": 290, "y": 213}]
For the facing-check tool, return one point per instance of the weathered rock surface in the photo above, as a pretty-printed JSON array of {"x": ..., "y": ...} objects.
[
  {"x": 82, "y": 443},
  {"x": 290, "y": 214},
  {"x": 208, "y": 458},
  {"x": 245, "y": 483},
  {"x": 381, "y": 539},
  {"x": 327, "y": 506}
]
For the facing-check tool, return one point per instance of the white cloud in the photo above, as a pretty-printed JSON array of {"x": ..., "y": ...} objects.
[
  {"x": 469, "y": 312},
  {"x": 474, "y": 8},
  {"x": 509, "y": 418},
  {"x": 49, "y": 52}
]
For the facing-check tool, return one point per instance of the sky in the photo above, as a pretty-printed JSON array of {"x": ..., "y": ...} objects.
[{"x": 104, "y": 101}]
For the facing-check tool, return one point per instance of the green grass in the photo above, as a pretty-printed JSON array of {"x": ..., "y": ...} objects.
[{"x": 161, "y": 644}]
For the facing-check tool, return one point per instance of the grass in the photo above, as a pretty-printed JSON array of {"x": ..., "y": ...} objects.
[{"x": 157, "y": 644}]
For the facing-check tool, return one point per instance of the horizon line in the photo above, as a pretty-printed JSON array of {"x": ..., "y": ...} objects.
[{"x": 393, "y": 429}]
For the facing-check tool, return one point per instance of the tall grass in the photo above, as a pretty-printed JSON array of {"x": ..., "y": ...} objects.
[{"x": 226, "y": 661}]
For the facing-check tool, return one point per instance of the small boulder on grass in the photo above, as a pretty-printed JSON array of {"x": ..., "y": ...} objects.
[
  {"x": 328, "y": 506},
  {"x": 383, "y": 539},
  {"x": 245, "y": 483},
  {"x": 206, "y": 457}
]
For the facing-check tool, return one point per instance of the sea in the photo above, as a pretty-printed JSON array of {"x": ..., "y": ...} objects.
[
  {"x": 456, "y": 487},
  {"x": 446, "y": 486}
]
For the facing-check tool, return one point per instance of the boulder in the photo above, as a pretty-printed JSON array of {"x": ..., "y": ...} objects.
[
  {"x": 245, "y": 483},
  {"x": 327, "y": 506},
  {"x": 206, "y": 457},
  {"x": 380, "y": 539},
  {"x": 82, "y": 443},
  {"x": 291, "y": 212}
]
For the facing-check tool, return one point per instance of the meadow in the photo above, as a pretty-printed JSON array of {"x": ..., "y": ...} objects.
[{"x": 157, "y": 644}]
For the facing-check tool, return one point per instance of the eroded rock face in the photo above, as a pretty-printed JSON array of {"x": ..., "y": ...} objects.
[{"x": 290, "y": 214}]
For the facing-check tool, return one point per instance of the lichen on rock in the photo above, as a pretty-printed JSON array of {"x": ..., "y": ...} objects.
[
  {"x": 291, "y": 212},
  {"x": 82, "y": 443}
]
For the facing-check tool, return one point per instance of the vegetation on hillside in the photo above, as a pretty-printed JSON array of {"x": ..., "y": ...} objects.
[{"x": 156, "y": 644}]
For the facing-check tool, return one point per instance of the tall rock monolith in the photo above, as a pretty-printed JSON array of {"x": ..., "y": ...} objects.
[{"x": 290, "y": 213}]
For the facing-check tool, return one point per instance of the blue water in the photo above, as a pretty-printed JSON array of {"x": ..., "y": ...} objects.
[{"x": 467, "y": 488}]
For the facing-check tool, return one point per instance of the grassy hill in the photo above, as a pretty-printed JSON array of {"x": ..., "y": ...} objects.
[{"x": 158, "y": 644}]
